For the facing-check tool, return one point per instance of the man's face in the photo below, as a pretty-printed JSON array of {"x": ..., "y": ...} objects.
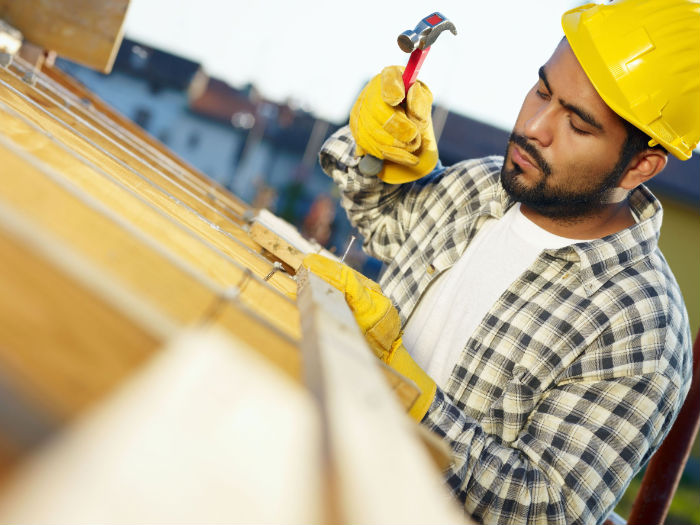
[{"x": 562, "y": 157}]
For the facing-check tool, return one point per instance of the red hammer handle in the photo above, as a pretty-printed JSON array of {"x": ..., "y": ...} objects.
[{"x": 415, "y": 61}]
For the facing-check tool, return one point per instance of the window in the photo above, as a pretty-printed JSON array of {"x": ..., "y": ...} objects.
[
  {"x": 193, "y": 140},
  {"x": 142, "y": 117}
]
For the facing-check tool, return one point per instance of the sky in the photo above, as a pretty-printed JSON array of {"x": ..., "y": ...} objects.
[{"x": 320, "y": 53}]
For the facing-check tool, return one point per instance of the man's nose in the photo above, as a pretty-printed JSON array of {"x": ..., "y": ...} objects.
[{"x": 539, "y": 127}]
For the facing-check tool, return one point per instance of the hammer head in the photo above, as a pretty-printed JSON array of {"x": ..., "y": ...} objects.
[{"x": 425, "y": 33}]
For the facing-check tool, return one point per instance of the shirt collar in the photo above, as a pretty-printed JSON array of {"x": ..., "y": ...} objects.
[
  {"x": 601, "y": 259},
  {"x": 498, "y": 203},
  {"x": 598, "y": 260}
]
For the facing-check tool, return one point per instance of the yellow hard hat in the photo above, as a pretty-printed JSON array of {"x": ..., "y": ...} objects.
[{"x": 643, "y": 58}]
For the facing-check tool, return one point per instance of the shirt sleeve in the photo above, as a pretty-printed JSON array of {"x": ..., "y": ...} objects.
[
  {"x": 382, "y": 213},
  {"x": 573, "y": 458}
]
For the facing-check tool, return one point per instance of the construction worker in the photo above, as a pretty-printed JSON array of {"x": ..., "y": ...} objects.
[{"x": 532, "y": 305}]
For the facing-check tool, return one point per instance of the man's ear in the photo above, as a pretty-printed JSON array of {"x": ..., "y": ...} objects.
[{"x": 645, "y": 165}]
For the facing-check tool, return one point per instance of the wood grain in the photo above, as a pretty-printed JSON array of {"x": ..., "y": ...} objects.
[
  {"x": 62, "y": 343},
  {"x": 130, "y": 154},
  {"x": 84, "y": 31},
  {"x": 206, "y": 432},
  {"x": 62, "y": 148},
  {"x": 171, "y": 268}
]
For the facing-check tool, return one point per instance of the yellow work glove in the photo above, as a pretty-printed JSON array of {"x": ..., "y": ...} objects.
[
  {"x": 379, "y": 322},
  {"x": 402, "y": 134}
]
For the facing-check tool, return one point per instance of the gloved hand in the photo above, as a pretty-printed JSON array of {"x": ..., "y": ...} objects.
[
  {"x": 379, "y": 322},
  {"x": 402, "y": 134}
]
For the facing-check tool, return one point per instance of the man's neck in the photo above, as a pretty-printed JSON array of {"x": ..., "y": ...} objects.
[{"x": 611, "y": 218}]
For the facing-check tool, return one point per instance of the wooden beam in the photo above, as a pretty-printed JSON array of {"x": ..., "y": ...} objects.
[
  {"x": 132, "y": 152},
  {"x": 74, "y": 327},
  {"x": 380, "y": 471},
  {"x": 206, "y": 432},
  {"x": 60, "y": 339},
  {"x": 146, "y": 253},
  {"x": 90, "y": 150},
  {"x": 84, "y": 31},
  {"x": 63, "y": 345},
  {"x": 134, "y": 198},
  {"x": 258, "y": 333}
]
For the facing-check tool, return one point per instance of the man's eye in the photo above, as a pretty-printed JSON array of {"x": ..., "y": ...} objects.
[
  {"x": 577, "y": 130},
  {"x": 542, "y": 94}
]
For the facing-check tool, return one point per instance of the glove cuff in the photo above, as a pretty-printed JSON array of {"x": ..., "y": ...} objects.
[{"x": 401, "y": 361}]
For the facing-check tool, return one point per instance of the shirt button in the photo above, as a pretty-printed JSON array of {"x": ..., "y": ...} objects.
[{"x": 431, "y": 269}]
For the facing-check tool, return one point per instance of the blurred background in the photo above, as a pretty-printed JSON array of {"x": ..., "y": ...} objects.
[{"x": 248, "y": 91}]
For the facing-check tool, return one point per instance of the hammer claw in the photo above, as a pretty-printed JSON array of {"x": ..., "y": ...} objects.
[
  {"x": 425, "y": 33},
  {"x": 418, "y": 40}
]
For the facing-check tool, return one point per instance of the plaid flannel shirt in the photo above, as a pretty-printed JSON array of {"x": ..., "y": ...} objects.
[{"x": 571, "y": 380}]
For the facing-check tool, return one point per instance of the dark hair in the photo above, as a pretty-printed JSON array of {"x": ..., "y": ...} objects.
[{"x": 636, "y": 142}]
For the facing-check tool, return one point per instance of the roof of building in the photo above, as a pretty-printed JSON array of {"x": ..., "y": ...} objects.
[
  {"x": 160, "y": 68},
  {"x": 285, "y": 126},
  {"x": 464, "y": 138},
  {"x": 220, "y": 101}
]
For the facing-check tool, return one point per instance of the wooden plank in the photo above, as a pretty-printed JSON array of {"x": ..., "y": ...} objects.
[
  {"x": 131, "y": 151},
  {"x": 62, "y": 344},
  {"x": 66, "y": 219},
  {"x": 70, "y": 333},
  {"x": 132, "y": 133},
  {"x": 380, "y": 471},
  {"x": 47, "y": 319},
  {"x": 132, "y": 195},
  {"x": 84, "y": 31},
  {"x": 280, "y": 349},
  {"x": 205, "y": 433},
  {"x": 78, "y": 96},
  {"x": 276, "y": 245},
  {"x": 173, "y": 270},
  {"x": 88, "y": 149}
]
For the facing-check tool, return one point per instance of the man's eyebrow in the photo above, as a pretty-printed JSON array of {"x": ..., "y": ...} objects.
[
  {"x": 582, "y": 113},
  {"x": 543, "y": 77}
]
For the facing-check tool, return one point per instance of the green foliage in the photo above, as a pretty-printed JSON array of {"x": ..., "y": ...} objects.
[{"x": 685, "y": 507}]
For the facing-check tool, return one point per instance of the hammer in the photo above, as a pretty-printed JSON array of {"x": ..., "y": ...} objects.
[{"x": 416, "y": 41}]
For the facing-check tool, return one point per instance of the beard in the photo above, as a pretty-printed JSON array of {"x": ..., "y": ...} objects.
[{"x": 557, "y": 203}]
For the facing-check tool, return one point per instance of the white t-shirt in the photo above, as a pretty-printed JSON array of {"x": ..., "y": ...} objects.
[{"x": 455, "y": 304}]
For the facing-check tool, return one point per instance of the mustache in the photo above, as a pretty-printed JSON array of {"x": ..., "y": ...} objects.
[{"x": 531, "y": 150}]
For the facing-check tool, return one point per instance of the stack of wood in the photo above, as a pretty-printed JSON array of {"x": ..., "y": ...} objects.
[{"x": 163, "y": 358}]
